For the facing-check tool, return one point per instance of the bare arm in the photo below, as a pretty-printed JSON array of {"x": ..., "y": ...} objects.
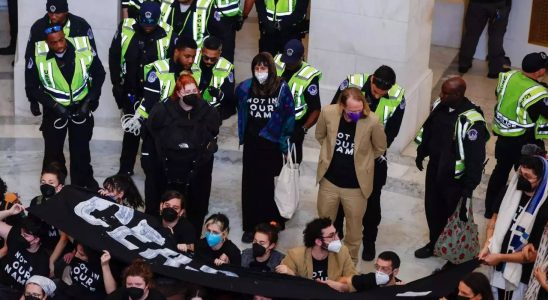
[
  {"x": 108, "y": 279},
  {"x": 59, "y": 247}
]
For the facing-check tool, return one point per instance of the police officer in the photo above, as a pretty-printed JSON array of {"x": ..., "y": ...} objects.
[
  {"x": 454, "y": 138},
  {"x": 66, "y": 78},
  {"x": 215, "y": 77},
  {"x": 226, "y": 20},
  {"x": 304, "y": 82},
  {"x": 279, "y": 22},
  {"x": 136, "y": 44},
  {"x": 175, "y": 12},
  {"x": 73, "y": 26},
  {"x": 197, "y": 20},
  {"x": 160, "y": 80},
  {"x": 520, "y": 118},
  {"x": 387, "y": 100}
]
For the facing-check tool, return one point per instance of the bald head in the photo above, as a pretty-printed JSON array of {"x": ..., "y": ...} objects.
[{"x": 452, "y": 91}]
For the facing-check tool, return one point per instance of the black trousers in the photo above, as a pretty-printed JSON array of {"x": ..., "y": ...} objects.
[
  {"x": 12, "y": 15},
  {"x": 274, "y": 43},
  {"x": 262, "y": 161},
  {"x": 155, "y": 181},
  {"x": 441, "y": 196},
  {"x": 79, "y": 136},
  {"x": 130, "y": 147},
  {"x": 495, "y": 16},
  {"x": 372, "y": 217}
]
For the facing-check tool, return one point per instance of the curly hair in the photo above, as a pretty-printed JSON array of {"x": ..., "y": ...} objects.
[
  {"x": 124, "y": 183},
  {"x": 313, "y": 230},
  {"x": 139, "y": 268}
]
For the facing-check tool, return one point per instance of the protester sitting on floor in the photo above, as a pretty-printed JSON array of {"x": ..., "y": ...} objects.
[
  {"x": 215, "y": 247},
  {"x": 137, "y": 284},
  {"x": 537, "y": 288},
  {"x": 38, "y": 288},
  {"x": 7, "y": 200},
  {"x": 475, "y": 286},
  {"x": 122, "y": 190},
  {"x": 322, "y": 257},
  {"x": 263, "y": 256}
]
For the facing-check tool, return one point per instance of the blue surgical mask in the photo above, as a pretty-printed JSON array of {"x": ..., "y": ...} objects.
[{"x": 213, "y": 239}]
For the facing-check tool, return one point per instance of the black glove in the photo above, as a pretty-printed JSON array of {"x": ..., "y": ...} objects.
[
  {"x": 418, "y": 163},
  {"x": 119, "y": 95},
  {"x": 61, "y": 111},
  {"x": 271, "y": 28},
  {"x": 216, "y": 93},
  {"x": 83, "y": 110},
  {"x": 35, "y": 108},
  {"x": 238, "y": 23},
  {"x": 298, "y": 135}
]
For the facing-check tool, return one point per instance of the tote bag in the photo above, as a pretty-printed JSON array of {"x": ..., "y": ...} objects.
[
  {"x": 459, "y": 241},
  {"x": 286, "y": 192}
]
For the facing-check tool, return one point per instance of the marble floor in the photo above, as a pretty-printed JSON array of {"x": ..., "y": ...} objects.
[{"x": 403, "y": 228}]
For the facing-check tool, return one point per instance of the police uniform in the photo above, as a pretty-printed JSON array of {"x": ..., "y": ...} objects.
[
  {"x": 454, "y": 140},
  {"x": 219, "y": 77},
  {"x": 390, "y": 111},
  {"x": 131, "y": 50},
  {"x": 226, "y": 20},
  {"x": 304, "y": 84},
  {"x": 520, "y": 118},
  {"x": 279, "y": 22},
  {"x": 197, "y": 21},
  {"x": 47, "y": 80}
]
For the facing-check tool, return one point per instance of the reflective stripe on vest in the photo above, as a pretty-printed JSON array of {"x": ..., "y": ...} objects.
[
  {"x": 541, "y": 130},
  {"x": 418, "y": 137},
  {"x": 470, "y": 117},
  {"x": 220, "y": 73},
  {"x": 387, "y": 105},
  {"x": 298, "y": 83},
  {"x": 516, "y": 93},
  {"x": 277, "y": 10},
  {"x": 200, "y": 18},
  {"x": 55, "y": 84},
  {"x": 229, "y": 8},
  {"x": 127, "y": 34},
  {"x": 167, "y": 82},
  {"x": 165, "y": 10},
  {"x": 66, "y": 28}
]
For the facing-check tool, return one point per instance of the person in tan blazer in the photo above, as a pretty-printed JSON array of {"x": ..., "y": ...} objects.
[{"x": 351, "y": 138}]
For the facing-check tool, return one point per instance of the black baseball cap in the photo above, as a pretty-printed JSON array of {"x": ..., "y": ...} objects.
[
  {"x": 149, "y": 14},
  {"x": 57, "y": 6},
  {"x": 535, "y": 61},
  {"x": 293, "y": 51}
]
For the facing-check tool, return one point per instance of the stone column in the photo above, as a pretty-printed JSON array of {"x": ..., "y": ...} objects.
[
  {"x": 355, "y": 36},
  {"x": 102, "y": 15}
]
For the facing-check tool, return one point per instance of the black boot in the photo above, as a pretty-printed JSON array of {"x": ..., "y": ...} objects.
[{"x": 9, "y": 50}]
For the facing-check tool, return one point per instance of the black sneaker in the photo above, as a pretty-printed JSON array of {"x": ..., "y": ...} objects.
[
  {"x": 424, "y": 252},
  {"x": 9, "y": 50},
  {"x": 368, "y": 253},
  {"x": 464, "y": 69},
  {"x": 247, "y": 237}
]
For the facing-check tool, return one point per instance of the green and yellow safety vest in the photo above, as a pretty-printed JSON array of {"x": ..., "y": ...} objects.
[
  {"x": 298, "y": 83},
  {"x": 127, "y": 34},
  {"x": 465, "y": 121},
  {"x": 220, "y": 73},
  {"x": 278, "y": 9},
  {"x": 387, "y": 106},
  {"x": 55, "y": 84},
  {"x": 167, "y": 82},
  {"x": 515, "y": 94},
  {"x": 229, "y": 8},
  {"x": 199, "y": 21}
]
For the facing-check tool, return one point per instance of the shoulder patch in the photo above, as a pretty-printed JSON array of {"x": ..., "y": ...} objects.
[
  {"x": 343, "y": 85},
  {"x": 402, "y": 103},
  {"x": 93, "y": 52},
  {"x": 231, "y": 77},
  {"x": 217, "y": 16},
  {"x": 152, "y": 77},
  {"x": 313, "y": 89},
  {"x": 30, "y": 63},
  {"x": 90, "y": 33},
  {"x": 472, "y": 134},
  {"x": 545, "y": 101}
]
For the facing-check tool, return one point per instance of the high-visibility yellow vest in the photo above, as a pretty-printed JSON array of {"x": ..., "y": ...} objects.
[
  {"x": 277, "y": 10},
  {"x": 465, "y": 121},
  {"x": 167, "y": 82},
  {"x": 220, "y": 73},
  {"x": 228, "y": 8}
]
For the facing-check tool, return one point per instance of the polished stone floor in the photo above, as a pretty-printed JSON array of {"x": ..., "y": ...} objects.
[{"x": 403, "y": 227}]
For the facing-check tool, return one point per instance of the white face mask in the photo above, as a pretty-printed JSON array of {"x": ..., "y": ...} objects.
[
  {"x": 381, "y": 278},
  {"x": 261, "y": 77},
  {"x": 334, "y": 246}
]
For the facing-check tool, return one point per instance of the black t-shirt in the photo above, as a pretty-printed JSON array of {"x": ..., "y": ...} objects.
[
  {"x": 534, "y": 237},
  {"x": 50, "y": 241},
  {"x": 260, "y": 111},
  {"x": 319, "y": 269},
  {"x": 182, "y": 233},
  {"x": 341, "y": 171},
  {"x": 258, "y": 266},
  {"x": 87, "y": 281},
  {"x": 208, "y": 255},
  {"x": 19, "y": 265},
  {"x": 120, "y": 294}
]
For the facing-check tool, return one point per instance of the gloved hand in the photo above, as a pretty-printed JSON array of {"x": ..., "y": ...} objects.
[
  {"x": 216, "y": 93},
  {"x": 298, "y": 135},
  {"x": 132, "y": 123},
  {"x": 418, "y": 163},
  {"x": 35, "y": 108},
  {"x": 61, "y": 111},
  {"x": 83, "y": 110},
  {"x": 238, "y": 23},
  {"x": 271, "y": 27}
]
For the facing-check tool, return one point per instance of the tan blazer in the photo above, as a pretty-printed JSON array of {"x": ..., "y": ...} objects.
[
  {"x": 299, "y": 260},
  {"x": 369, "y": 143}
]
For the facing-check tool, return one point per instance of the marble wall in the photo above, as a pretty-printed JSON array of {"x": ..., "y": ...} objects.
[
  {"x": 357, "y": 36},
  {"x": 102, "y": 15}
]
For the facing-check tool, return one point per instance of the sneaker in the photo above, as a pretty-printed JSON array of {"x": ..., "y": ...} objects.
[
  {"x": 247, "y": 237},
  {"x": 493, "y": 75},
  {"x": 424, "y": 252},
  {"x": 368, "y": 253}
]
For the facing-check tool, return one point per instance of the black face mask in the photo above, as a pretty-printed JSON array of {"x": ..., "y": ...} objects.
[
  {"x": 29, "y": 297},
  {"x": 47, "y": 190},
  {"x": 258, "y": 250},
  {"x": 191, "y": 99},
  {"x": 169, "y": 214},
  {"x": 135, "y": 293},
  {"x": 463, "y": 298},
  {"x": 524, "y": 184}
]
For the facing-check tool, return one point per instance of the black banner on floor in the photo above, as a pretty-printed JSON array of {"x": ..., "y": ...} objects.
[{"x": 129, "y": 234}]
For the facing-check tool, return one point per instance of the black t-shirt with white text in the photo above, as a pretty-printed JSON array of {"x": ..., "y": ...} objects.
[
  {"x": 341, "y": 171},
  {"x": 319, "y": 269},
  {"x": 87, "y": 281},
  {"x": 19, "y": 265},
  {"x": 260, "y": 111}
]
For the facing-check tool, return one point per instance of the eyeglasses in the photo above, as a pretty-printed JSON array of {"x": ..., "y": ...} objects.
[
  {"x": 330, "y": 236},
  {"x": 209, "y": 58},
  {"x": 53, "y": 29},
  {"x": 382, "y": 84}
]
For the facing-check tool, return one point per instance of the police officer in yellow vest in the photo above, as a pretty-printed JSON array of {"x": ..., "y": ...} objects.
[
  {"x": 135, "y": 45},
  {"x": 386, "y": 98},
  {"x": 454, "y": 138},
  {"x": 215, "y": 77},
  {"x": 160, "y": 79},
  {"x": 226, "y": 20},
  {"x": 197, "y": 20},
  {"x": 66, "y": 78},
  {"x": 520, "y": 118},
  {"x": 73, "y": 26},
  {"x": 279, "y": 22},
  {"x": 304, "y": 82}
]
